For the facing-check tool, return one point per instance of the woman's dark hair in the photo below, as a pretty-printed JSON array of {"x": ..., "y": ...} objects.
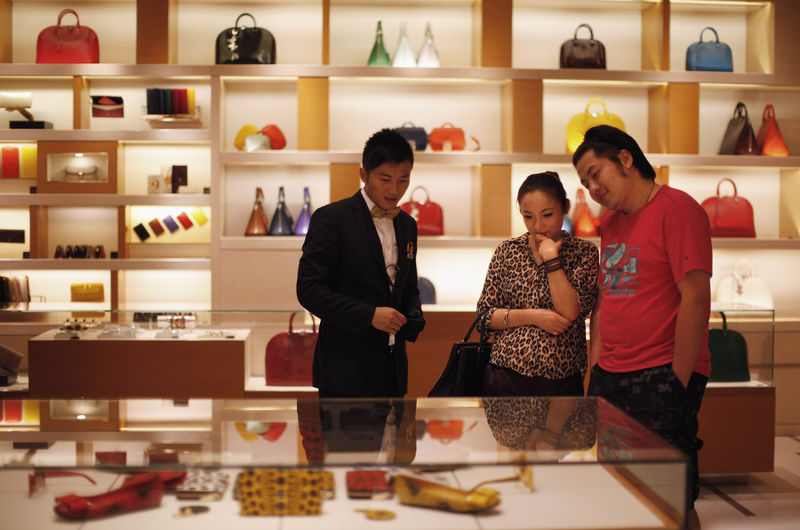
[
  {"x": 607, "y": 141},
  {"x": 386, "y": 145},
  {"x": 547, "y": 182}
]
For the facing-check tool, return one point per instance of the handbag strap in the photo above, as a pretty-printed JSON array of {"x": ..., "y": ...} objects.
[
  {"x": 472, "y": 327},
  {"x": 291, "y": 319},
  {"x": 769, "y": 112},
  {"x": 724, "y": 322},
  {"x": 408, "y": 123},
  {"x": 236, "y": 24},
  {"x": 587, "y": 26},
  {"x": 68, "y": 11},
  {"x": 735, "y": 191},
  {"x": 599, "y": 101},
  {"x": 306, "y": 195},
  {"x": 281, "y": 196},
  {"x": 740, "y": 111},
  {"x": 259, "y": 196},
  {"x": 448, "y": 125},
  {"x": 712, "y": 30},
  {"x": 738, "y": 276},
  {"x": 427, "y": 195}
]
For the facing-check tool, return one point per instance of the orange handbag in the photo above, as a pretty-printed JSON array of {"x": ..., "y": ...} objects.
[
  {"x": 446, "y": 430},
  {"x": 584, "y": 222},
  {"x": 769, "y": 135},
  {"x": 450, "y": 138}
]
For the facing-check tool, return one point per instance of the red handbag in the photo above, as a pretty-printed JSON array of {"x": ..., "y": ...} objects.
[
  {"x": 445, "y": 430},
  {"x": 584, "y": 222},
  {"x": 67, "y": 44},
  {"x": 450, "y": 138},
  {"x": 729, "y": 216},
  {"x": 289, "y": 356},
  {"x": 769, "y": 135},
  {"x": 428, "y": 214}
]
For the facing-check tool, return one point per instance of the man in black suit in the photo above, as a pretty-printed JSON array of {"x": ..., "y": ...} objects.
[{"x": 358, "y": 274}]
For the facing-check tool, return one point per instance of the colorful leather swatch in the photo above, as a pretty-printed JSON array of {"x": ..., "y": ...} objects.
[
  {"x": 170, "y": 223},
  {"x": 13, "y": 410},
  {"x": 185, "y": 221},
  {"x": 10, "y": 163},
  {"x": 199, "y": 216},
  {"x": 156, "y": 227},
  {"x": 27, "y": 169},
  {"x": 142, "y": 232}
]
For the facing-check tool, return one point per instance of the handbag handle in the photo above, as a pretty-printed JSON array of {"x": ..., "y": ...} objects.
[
  {"x": 409, "y": 123},
  {"x": 587, "y": 26},
  {"x": 448, "y": 125},
  {"x": 427, "y": 195},
  {"x": 712, "y": 30},
  {"x": 598, "y": 100},
  {"x": 735, "y": 191},
  {"x": 68, "y": 11},
  {"x": 313, "y": 323},
  {"x": 738, "y": 275},
  {"x": 472, "y": 327},
  {"x": 769, "y": 112},
  {"x": 236, "y": 24},
  {"x": 281, "y": 196},
  {"x": 741, "y": 110}
]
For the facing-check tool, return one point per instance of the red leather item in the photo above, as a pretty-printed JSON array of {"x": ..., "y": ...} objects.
[
  {"x": 275, "y": 431},
  {"x": 769, "y": 135},
  {"x": 289, "y": 356},
  {"x": 584, "y": 222},
  {"x": 449, "y": 138},
  {"x": 276, "y": 138},
  {"x": 729, "y": 216},
  {"x": 428, "y": 214},
  {"x": 171, "y": 479},
  {"x": 142, "y": 491},
  {"x": 67, "y": 44},
  {"x": 10, "y": 163},
  {"x": 13, "y": 410},
  {"x": 445, "y": 430},
  {"x": 185, "y": 221},
  {"x": 368, "y": 484}
]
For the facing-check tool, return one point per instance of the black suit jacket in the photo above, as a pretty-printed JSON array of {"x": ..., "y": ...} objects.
[{"x": 341, "y": 279}]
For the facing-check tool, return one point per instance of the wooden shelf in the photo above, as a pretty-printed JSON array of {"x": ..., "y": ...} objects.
[
  {"x": 103, "y": 199},
  {"x": 107, "y": 264}
]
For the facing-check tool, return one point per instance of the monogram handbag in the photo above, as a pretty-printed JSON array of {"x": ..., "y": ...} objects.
[
  {"x": 67, "y": 44},
  {"x": 283, "y": 491},
  {"x": 463, "y": 374},
  {"x": 428, "y": 214},
  {"x": 709, "y": 56},
  {"x": 245, "y": 45},
  {"x": 728, "y": 349},
  {"x": 739, "y": 138},
  {"x": 289, "y": 356},
  {"x": 257, "y": 225},
  {"x": 416, "y": 136},
  {"x": 729, "y": 216},
  {"x": 744, "y": 286},
  {"x": 281, "y": 224},
  {"x": 769, "y": 135},
  {"x": 580, "y": 123},
  {"x": 583, "y": 53},
  {"x": 450, "y": 138}
]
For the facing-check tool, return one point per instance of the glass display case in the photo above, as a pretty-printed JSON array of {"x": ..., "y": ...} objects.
[{"x": 413, "y": 463}]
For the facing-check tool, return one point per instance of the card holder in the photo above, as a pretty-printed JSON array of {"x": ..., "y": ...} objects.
[
  {"x": 170, "y": 223},
  {"x": 185, "y": 221},
  {"x": 368, "y": 484},
  {"x": 199, "y": 216},
  {"x": 155, "y": 226},
  {"x": 142, "y": 232}
]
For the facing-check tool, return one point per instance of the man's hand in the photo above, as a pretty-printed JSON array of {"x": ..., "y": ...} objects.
[{"x": 388, "y": 319}]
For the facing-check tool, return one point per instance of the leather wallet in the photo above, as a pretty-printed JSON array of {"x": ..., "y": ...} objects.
[
  {"x": 170, "y": 223},
  {"x": 199, "y": 216},
  {"x": 368, "y": 484},
  {"x": 155, "y": 226},
  {"x": 185, "y": 221},
  {"x": 142, "y": 232}
]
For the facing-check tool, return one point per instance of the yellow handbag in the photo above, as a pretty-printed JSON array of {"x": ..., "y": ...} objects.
[
  {"x": 87, "y": 292},
  {"x": 580, "y": 123},
  {"x": 283, "y": 491}
]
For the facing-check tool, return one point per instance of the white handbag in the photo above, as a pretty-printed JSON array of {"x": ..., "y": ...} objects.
[{"x": 744, "y": 287}]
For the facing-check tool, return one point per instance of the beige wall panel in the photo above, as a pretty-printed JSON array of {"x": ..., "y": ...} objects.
[
  {"x": 789, "y": 211},
  {"x": 156, "y": 32},
  {"x": 259, "y": 279},
  {"x": 345, "y": 180},
  {"x": 312, "y": 113},
  {"x": 496, "y": 33},
  {"x": 495, "y": 204}
]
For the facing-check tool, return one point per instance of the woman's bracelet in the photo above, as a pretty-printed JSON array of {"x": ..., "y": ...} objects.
[
  {"x": 553, "y": 265},
  {"x": 505, "y": 318}
]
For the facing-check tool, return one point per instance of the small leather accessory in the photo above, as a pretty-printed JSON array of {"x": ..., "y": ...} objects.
[
  {"x": 463, "y": 374},
  {"x": 281, "y": 224},
  {"x": 450, "y": 138},
  {"x": 584, "y": 221},
  {"x": 582, "y": 53},
  {"x": 769, "y": 135},
  {"x": 445, "y": 431},
  {"x": 203, "y": 484},
  {"x": 170, "y": 223},
  {"x": 709, "y": 56},
  {"x": 183, "y": 219},
  {"x": 199, "y": 216},
  {"x": 739, "y": 137},
  {"x": 416, "y": 136},
  {"x": 140, "y": 231},
  {"x": 303, "y": 220},
  {"x": 245, "y": 45},
  {"x": 744, "y": 286},
  {"x": 378, "y": 56},
  {"x": 729, "y": 216},
  {"x": 282, "y": 491},
  {"x": 180, "y": 177},
  {"x": 87, "y": 292},
  {"x": 67, "y": 44},
  {"x": 580, "y": 123},
  {"x": 257, "y": 224},
  {"x": 417, "y": 492},
  {"x": 729, "y": 362},
  {"x": 368, "y": 484},
  {"x": 156, "y": 227},
  {"x": 428, "y": 214},
  {"x": 290, "y": 355},
  {"x": 403, "y": 54},
  {"x": 10, "y": 163},
  {"x": 428, "y": 55},
  {"x": 12, "y": 409},
  {"x": 107, "y": 107}
]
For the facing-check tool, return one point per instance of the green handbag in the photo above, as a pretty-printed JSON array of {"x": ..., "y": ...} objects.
[{"x": 728, "y": 355}]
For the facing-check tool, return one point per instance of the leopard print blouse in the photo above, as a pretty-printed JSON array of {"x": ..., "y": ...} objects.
[{"x": 515, "y": 281}]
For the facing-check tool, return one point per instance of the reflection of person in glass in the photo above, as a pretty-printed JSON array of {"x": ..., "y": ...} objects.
[
  {"x": 358, "y": 274},
  {"x": 538, "y": 290}
]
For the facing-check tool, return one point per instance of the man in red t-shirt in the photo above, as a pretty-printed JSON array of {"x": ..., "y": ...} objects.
[{"x": 649, "y": 350}]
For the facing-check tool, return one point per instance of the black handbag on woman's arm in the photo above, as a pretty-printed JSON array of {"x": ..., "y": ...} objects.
[{"x": 463, "y": 375}]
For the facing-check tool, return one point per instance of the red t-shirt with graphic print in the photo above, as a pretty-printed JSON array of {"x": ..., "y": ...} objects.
[{"x": 642, "y": 258}]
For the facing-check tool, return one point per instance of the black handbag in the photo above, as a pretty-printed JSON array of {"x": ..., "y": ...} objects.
[
  {"x": 463, "y": 375},
  {"x": 739, "y": 138},
  {"x": 416, "y": 136},
  {"x": 583, "y": 53},
  {"x": 728, "y": 355},
  {"x": 241, "y": 45}
]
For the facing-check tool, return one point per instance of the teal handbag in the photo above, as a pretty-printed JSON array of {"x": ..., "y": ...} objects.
[
  {"x": 709, "y": 56},
  {"x": 728, "y": 355}
]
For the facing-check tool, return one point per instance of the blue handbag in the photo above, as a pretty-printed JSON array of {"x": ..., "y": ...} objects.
[
  {"x": 416, "y": 136},
  {"x": 709, "y": 56},
  {"x": 281, "y": 224}
]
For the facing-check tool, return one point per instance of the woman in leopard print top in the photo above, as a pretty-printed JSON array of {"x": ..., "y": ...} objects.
[{"x": 538, "y": 290}]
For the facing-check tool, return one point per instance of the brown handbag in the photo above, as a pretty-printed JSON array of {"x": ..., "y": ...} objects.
[
  {"x": 583, "y": 53},
  {"x": 257, "y": 225}
]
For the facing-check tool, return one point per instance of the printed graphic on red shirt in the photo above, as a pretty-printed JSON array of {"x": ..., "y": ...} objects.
[{"x": 620, "y": 268}]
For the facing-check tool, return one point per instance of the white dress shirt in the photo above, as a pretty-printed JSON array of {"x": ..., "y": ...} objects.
[{"x": 385, "y": 229}]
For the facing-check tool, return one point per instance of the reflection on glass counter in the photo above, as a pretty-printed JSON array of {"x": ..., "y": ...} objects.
[{"x": 425, "y": 463}]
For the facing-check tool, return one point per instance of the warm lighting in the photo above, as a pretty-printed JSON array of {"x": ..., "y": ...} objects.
[
  {"x": 81, "y": 416},
  {"x": 79, "y": 154}
]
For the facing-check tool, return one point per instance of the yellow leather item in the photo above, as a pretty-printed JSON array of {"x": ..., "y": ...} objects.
[
  {"x": 283, "y": 491},
  {"x": 580, "y": 123},
  {"x": 243, "y": 133},
  {"x": 417, "y": 492},
  {"x": 87, "y": 292}
]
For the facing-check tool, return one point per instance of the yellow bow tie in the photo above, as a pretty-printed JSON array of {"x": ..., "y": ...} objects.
[{"x": 380, "y": 213}]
